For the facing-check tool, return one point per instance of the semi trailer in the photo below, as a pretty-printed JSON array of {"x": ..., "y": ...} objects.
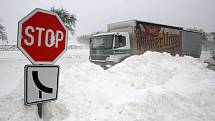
[{"x": 134, "y": 37}]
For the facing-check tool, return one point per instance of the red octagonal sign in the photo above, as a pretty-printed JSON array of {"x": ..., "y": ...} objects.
[{"x": 42, "y": 37}]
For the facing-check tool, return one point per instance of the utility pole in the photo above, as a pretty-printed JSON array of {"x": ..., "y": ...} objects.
[
  {"x": 213, "y": 35},
  {"x": 214, "y": 42}
]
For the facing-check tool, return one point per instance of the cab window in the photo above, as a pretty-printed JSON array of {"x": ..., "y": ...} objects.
[{"x": 120, "y": 41}]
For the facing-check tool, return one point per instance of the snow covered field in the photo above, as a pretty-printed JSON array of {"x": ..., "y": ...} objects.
[{"x": 150, "y": 87}]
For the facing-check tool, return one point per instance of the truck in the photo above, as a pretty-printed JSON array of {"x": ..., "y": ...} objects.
[{"x": 133, "y": 37}]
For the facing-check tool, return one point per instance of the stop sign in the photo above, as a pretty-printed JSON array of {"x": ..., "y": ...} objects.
[{"x": 42, "y": 37}]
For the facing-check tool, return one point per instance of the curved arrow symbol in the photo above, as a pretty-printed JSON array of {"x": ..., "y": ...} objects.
[{"x": 39, "y": 84}]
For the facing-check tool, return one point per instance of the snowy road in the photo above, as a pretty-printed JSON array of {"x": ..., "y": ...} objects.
[
  {"x": 12, "y": 66},
  {"x": 160, "y": 88}
]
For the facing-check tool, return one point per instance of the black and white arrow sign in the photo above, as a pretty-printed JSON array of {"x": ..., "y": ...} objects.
[{"x": 41, "y": 83}]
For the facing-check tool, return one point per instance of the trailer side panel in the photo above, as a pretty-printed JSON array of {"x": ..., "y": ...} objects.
[
  {"x": 156, "y": 37},
  {"x": 191, "y": 43}
]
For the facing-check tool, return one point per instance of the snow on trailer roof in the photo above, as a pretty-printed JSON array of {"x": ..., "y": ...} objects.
[
  {"x": 133, "y": 23},
  {"x": 105, "y": 33},
  {"x": 108, "y": 33},
  {"x": 193, "y": 31}
]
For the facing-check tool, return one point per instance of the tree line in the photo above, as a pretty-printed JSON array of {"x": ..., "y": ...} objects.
[
  {"x": 3, "y": 34},
  {"x": 208, "y": 39},
  {"x": 68, "y": 19}
]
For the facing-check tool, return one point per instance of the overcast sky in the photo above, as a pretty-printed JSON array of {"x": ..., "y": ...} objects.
[{"x": 94, "y": 15}]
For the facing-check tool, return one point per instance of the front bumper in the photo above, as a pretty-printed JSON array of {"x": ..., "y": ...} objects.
[{"x": 103, "y": 63}]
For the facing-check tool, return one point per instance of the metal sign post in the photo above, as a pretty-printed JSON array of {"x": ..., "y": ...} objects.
[{"x": 40, "y": 109}]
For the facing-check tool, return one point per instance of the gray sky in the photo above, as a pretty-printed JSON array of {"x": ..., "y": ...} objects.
[{"x": 94, "y": 15}]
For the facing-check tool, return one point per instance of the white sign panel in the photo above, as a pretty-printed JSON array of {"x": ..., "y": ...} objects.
[{"x": 41, "y": 83}]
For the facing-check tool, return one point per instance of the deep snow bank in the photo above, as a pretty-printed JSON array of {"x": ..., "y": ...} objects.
[{"x": 150, "y": 87}]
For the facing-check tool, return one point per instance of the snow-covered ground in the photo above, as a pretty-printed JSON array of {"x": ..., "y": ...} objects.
[
  {"x": 150, "y": 87},
  {"x": 204, "y": 55}
]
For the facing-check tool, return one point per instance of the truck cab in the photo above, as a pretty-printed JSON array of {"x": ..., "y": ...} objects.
[{"x": 108, "y": 49}]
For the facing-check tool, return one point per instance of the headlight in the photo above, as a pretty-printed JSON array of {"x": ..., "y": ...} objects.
[{"x": 108, "y": 66}]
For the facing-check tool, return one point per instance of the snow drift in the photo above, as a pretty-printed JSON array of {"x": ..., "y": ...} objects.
[{"x": 149, "y": 87}]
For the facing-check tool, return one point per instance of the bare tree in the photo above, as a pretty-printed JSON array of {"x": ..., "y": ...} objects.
[
  {"x": 85, "y": 39},
  {"x": 1, "y": 28},
  {"x": 3, "y": 35},
  {"x": 213, "y": 35},
  {"x": 68, "y": 19}
]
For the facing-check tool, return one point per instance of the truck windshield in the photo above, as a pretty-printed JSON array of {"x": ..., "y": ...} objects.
[{"x": 101, "y": 42}]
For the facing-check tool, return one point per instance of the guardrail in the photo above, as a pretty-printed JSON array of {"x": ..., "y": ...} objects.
[{"x": 8, "y": 48}]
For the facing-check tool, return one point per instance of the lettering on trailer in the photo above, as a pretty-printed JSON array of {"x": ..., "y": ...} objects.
[
  {"x": 157, "y": 38},
  {"x": 164, "y": 41}
]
